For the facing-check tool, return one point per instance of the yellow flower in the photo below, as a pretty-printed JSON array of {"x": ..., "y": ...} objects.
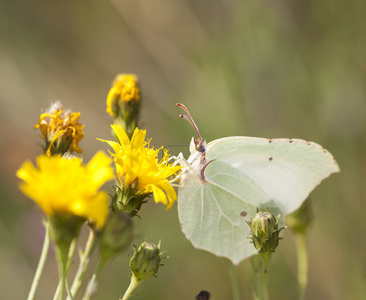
[
  {"x": 125, "y": 89},
  {"x": 61, "y": 130},
  {"x": 137, "y": 166},
  {"x": 63, "y": 186}
]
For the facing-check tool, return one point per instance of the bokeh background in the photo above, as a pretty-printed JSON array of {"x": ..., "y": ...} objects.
[{"x": 268, "y": 68}]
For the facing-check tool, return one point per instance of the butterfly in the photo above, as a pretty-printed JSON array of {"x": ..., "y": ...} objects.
[{"x": 223, "y": 182}]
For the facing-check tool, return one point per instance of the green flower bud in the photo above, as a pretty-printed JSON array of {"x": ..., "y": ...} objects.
[
  {"x": 300, "y": 219},
  {"x": 116, "y": 235},
  {"x": 146, "y": 260},
  {"x": 265, "y": 232}
]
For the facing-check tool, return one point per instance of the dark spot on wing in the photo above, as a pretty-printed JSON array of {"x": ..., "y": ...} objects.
[
  {"x": 243, "y": 213},
  {"x": 290, "y": 140},
  {"x": 270, "y": 141},
  {"x": 270, "y": 158}
]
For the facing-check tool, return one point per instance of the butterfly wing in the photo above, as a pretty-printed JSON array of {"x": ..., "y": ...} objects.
[
  {"x": 286, "y": 170},
  {"x": 246, "y": 173},
  {"x": 213, "y": 215}
]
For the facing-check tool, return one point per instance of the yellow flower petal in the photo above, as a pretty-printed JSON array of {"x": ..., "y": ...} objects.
[
  {"x": 138, "y": 138},
  {"x": 61, "y": 130},
  {"x": 121, "y": 134},
  {"x": 125, "y": 89},
  {"x": 62, "y": 185},
  {"x": 138, "y": 165}
]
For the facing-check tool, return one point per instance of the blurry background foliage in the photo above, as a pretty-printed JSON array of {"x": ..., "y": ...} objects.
[{"x": 269, "y": 68}]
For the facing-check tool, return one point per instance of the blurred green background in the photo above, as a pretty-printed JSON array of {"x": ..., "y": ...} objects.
[{"x": 268, "y": 68}]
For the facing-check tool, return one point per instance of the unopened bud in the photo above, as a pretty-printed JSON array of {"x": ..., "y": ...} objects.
[
  {"x": 300, "y": 219},
  {"x": 265, "y": 232},
  {"x": 123, "y": 101},
  {"x": 116, "y": 235},
  {"x": 146, "y": 260}
]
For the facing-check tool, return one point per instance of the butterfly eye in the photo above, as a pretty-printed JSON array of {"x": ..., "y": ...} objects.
[{"x": 199, "y": 145}]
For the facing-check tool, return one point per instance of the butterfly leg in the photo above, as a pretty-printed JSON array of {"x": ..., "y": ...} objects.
[{"x": 180, "y": 160}]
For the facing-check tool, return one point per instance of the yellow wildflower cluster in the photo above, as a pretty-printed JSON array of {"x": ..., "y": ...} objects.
[
  {"x": 63, "y": 186},
  {"x": 138, "y": 166},
  {"x": 61, "y": 130}
]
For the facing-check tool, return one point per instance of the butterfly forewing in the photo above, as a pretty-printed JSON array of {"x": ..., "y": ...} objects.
[{"x": 286, "y": 170}]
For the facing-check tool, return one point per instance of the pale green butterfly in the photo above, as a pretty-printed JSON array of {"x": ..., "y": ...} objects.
[{"x": 223, "y": 182}]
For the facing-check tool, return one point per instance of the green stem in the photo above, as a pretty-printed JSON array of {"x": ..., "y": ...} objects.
[
  {"x": 69, "y": 294},
  {"x": 234, "y": 281},
  {"x": 256, "y": 262},
  {"x": 41, "y": 263},
  {"x": 62, "y": 275},
  {"x": 68, "y": 265},
  {"x": 85, "y": 257},
  {"x": 93, "y": 283},
  {"x": 302, "y": 262},
  {"x": 62, "y": 253},
  {"x": 266, "y": 259},
  {"x": 133, "y": 285}
]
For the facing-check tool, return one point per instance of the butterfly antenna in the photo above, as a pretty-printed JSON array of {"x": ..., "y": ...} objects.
[{"x": 191, "y": 121}]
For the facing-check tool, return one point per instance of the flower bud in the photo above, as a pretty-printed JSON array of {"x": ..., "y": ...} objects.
[
  {"x": 116, "y": 235},
  {"x": 265, "y": 232},
  {"x": 300, "y": 219},
  {"x": 146, "y": 260},
  {"x": 123, "y": 101}
]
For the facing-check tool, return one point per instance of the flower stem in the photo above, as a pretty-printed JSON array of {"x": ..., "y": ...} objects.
[
  {"x": 266, "y": 257},
  {"x": 256, "y": 262},
  {"x": 93, "y": 283},
  {"x": 234, "y": 281},
  {"x": 41, "y": 263},
  {"x": 133, "y": 285},
  {"x": 302, "y": 262},
  {"x": 63, "y": 250},
  {"x": 69, "y": 259},
  {"x": 62, "y": 271},
  {"x": 84, "y": 262}
]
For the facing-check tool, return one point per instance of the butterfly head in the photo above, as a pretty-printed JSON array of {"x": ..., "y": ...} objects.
[{"x": 197, "y": 145}]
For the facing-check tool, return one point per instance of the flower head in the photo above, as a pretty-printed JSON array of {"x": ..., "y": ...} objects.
[
  {"x": 123, "y": 102},
  {"x": 265, "y": 231},
  {"x": 138, "y": 167},
  {"x": 61, "y": 130},
  {"x": 62, "y": 186},
  {"x": 146, "y": 261},
  {"x": 125, "y": 89}
]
